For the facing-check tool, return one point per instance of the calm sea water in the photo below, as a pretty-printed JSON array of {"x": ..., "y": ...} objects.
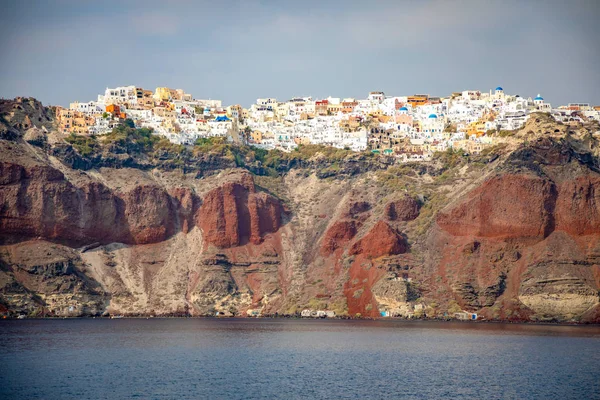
[{"x": 289, "y": 359}]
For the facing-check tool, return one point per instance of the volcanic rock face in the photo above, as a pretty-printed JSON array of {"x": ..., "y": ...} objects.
[
  {"x": 175, "y": 223},
  {"x": 234, "y": 214},
  {"x": 405, "y": 209},
  {"x": 521, "y": 206},
  {"x": 53, "y": 274},
  {"x": 578, "y": 206},
  {"x": 338, "y": 235},
  {"x": 39, "y": 201},
  {"x": 381, "y": 240},
  {"x": 515, "y": 239},
  {"x": 510, "y": 206},
  {"x": 357, "y": 208},
  {"x": 367, "y": 268},
  {"x": 540, "y": 248}
]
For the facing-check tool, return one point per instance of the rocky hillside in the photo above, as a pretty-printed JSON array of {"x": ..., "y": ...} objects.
[{"x": 512, "y": 234}]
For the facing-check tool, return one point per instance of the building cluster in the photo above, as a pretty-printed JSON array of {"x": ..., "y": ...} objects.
[
  {"x": 171, "y": 113},
  {"x": 308, "y": 313},
  {"x": 409, "y": 127}
]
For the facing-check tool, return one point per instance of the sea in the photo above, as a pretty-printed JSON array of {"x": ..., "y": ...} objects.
[{"x": 205, "y": 358}]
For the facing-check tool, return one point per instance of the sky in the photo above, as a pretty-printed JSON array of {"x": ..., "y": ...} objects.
[{"x": 237, "y": 51}]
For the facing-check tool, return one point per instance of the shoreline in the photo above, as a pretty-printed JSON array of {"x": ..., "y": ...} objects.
[{"x": 412, "y": 320}]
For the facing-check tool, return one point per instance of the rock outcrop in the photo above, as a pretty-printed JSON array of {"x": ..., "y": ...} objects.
[
  {"x": 508, "y": 206},
  {"x": 22, "y": 114},
  {"x": 527, "y": 241},
  {"x": 338, "y": 235},
  {"x": 40, "y": 201},
  {"x": 235, "y": 214},
  {"x": 577, "y": 207},
  {"x": 404, "y": 209},
  {"x": 42, "y": 279},
  {"x": 382, "y": 240}
]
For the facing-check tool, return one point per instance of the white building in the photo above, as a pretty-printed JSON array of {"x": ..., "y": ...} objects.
[{"x": 119, "y": 95}]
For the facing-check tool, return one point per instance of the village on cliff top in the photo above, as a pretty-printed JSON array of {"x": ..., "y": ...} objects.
[{"x": 411, "y": 128}]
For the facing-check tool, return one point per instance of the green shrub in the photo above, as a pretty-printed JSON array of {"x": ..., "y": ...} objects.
[
  {"x": 506, "y": 133},
  {"x": 85, "y": 145},
  {"x": 449, "y": 158}
]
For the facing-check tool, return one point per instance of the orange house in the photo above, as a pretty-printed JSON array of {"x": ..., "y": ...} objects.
[
  {"x": 418, "y": 100},
  {"x": 113, "y": 109},
  {"x": 348, "y": 106}
]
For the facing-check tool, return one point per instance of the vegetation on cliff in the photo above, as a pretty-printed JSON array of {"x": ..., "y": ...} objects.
[{"x": 145, "y": 149}]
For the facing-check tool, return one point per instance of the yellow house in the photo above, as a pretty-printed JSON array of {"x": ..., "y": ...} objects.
[
  {"x": 256, "y": 136},
  {"x": 476, "y": 128},
  {"x": 282, "y": 109},
  {"x": 162, "y": 94},
  {"x": 164, "y": 112},
  {"x": 475, "y": 147},
  {"x": 171, "y": 126},
  {"x": 418, "y": 125},
  {"x": 234, "y": 111}
]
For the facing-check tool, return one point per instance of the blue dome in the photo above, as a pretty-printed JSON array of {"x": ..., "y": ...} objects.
[
  {"x": 539, "y": 97},
  {"x": 499, "y": 88},
  {"x": 432, "y": 116},
  {"x": 403, "y": 109}
]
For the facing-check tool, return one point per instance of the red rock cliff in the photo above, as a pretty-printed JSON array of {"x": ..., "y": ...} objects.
[
  {"x": 509, "y": 206},
  {"x": 235, "y": 214},
  {"x": 382, "y": 240},
  {"x": 40, "y": 201},
  {"x": 525, "y": 246}
]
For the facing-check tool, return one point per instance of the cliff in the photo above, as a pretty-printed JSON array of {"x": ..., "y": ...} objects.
[{"x": 513, "y": 234}]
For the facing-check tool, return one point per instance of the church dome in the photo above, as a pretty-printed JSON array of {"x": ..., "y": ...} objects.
[
  {"x": 499, "y": 88},
  {"x": 432, "y": 116},
  {"x": 539, "y": 97},
  {"x": 403, "y": 109}
]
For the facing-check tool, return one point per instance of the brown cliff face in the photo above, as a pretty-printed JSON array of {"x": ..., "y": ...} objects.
[
  {"x": 578, "y": 206},
  {"x": 509, "y": 206},
  {"x": 382, "y": 240},
  {"x": 524, "y": 242},
  {"x": 405, "y": 209},
  {"x": 357, "y": 208},
  {"x": 40, "y": 201},
  {"x": 520, "y": 206},
  {"x": 366, "y": 270},
  {"x": 234, "y": 214},
  {"x": 53, "y": 273},
  {"x": 338, "y": 235}
]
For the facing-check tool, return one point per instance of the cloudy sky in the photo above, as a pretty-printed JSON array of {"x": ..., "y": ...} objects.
[{"x": 63, "y": 50}]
